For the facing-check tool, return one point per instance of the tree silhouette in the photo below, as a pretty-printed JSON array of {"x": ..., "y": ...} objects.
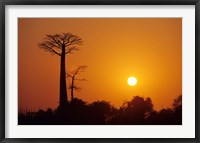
[
  {"x": 177, "y": 103},
  {"x": 177, "y": 107},
  {"x": 73, "y": 75},
  {"x": 138, "y": 111},
  {"x": 134, "y": 111},
  {"x": 99, "y": 111},
  {"x": 61, "y": 45}
]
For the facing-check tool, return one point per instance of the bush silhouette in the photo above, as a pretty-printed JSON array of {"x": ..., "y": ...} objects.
[
  {"x": 138, "y": 111},
  {"x": 134, "y": 111}
]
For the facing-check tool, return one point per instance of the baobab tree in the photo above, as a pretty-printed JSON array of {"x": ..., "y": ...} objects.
[
  {"x": 73, "y": 75},
  {"x": 61, "y": 45}
]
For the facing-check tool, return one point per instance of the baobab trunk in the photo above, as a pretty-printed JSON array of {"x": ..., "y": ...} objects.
[{"x": 63, "y": 91}]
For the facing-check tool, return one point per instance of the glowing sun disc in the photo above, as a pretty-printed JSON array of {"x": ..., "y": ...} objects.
[{"x": 132, "y": 81}]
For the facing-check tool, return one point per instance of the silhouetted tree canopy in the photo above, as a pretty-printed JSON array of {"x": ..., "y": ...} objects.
[
  {"x": 134, "y": 111},
  {"x": 54, "y": 43},
  {"x": 138, "y": 111},
  {"x": 177, "y": 103}
]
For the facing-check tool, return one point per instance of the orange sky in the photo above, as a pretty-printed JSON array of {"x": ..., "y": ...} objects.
[{"x": 114, "y": 49}]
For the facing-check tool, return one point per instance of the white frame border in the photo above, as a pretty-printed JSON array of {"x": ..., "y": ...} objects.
[{"x": 187, "y": 130}]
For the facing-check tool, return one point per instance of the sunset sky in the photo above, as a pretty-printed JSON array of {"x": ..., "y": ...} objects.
[{"x": 114, "y": 49}]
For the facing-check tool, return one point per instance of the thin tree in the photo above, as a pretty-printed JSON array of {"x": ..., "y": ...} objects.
[
  {"x": 61, "y": 45},
  {"x": 73, "y": 77}
]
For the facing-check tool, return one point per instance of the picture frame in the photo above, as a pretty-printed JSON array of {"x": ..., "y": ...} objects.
[{"x": 3, "y": 5}]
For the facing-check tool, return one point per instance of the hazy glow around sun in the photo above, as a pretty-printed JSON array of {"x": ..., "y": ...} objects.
[{"x": 132, "y": 81}]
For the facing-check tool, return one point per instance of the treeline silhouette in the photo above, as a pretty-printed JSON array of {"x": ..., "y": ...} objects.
[{"x": 138, "y": 111}]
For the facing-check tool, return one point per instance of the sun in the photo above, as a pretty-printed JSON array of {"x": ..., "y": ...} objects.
[{"x": 132, "y": 81}]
